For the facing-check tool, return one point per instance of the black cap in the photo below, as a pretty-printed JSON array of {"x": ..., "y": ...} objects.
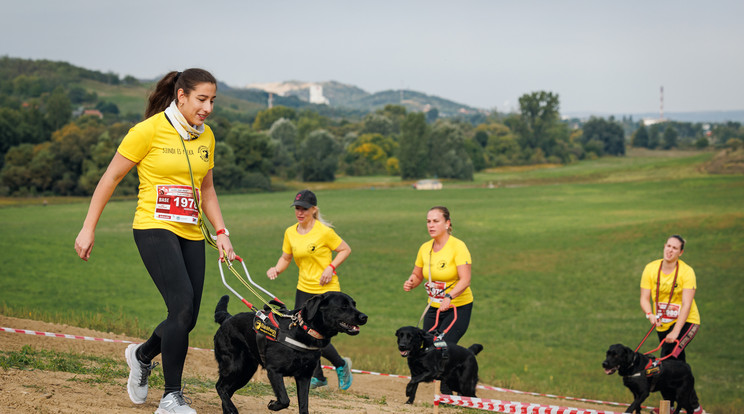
[{"x": 306, "y": 199}]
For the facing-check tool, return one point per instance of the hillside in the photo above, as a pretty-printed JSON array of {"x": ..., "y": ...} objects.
[{"x": 341, "y": 95}]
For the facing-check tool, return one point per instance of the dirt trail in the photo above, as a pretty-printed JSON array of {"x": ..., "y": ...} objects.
[{"x": 58, "y": 392}]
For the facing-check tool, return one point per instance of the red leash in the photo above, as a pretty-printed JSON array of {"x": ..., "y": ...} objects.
[
  {"x": 645, "y": 337},
  {"x": 659, "y": 347},
  {"x": 436, "y": 321}
]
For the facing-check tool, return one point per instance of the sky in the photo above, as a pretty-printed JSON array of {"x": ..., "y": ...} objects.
[{"x": 602, "y": 57}]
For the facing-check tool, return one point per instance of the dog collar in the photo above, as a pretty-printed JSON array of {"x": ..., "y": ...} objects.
[{"x": 298, "y": 321}]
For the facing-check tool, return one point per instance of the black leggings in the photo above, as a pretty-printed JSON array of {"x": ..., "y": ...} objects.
[
  {"x": 445, "y": 319},
  {"x": 176, "y": 265},
  {"x": 688, "y": 332},
  {"x": 328, "y": 352}
]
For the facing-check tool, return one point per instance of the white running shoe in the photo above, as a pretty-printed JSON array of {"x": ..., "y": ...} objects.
[
  {"x": 138, "y": 375},
  {"x": 175, "y": 403}
]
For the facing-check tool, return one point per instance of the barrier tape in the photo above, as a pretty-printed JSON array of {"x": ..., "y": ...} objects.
[
  {"x": 68, "y": 336},
  {"x": 511, "y": 407},
  {"x": 356, "y": 371}
]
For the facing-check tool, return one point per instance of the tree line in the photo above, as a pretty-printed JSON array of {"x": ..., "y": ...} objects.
[{"x": 48, "y": 148}]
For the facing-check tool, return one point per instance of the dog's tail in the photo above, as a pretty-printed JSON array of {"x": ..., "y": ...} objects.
[
  {"x": 220, "y": 312},
  {"x": 476, "y": 348}
]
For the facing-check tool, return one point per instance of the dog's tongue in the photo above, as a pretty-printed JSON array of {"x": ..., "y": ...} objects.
[
  {"x": 404, "y": 353},
  {"x": 609, "y": 371}
]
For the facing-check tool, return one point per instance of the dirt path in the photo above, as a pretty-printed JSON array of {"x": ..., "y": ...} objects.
[{"x": 33, "y": 391}]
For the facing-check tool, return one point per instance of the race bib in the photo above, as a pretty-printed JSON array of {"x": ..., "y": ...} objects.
[
  {"x": 668, "y": 312},
  {"x": 176, "y": 203},
  {"x": 436, "y": 290}
]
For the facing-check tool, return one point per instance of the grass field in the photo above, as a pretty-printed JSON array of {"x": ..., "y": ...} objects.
[{"x": 558, "y": 253}]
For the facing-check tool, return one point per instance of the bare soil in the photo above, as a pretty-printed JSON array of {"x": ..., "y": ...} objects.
[{"x": 34, "y": 391}]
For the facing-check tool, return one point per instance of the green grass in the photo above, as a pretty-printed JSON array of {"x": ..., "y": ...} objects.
[{"x": 557, "y": 252}]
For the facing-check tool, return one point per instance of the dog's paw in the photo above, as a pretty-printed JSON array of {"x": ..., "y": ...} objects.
[
  {"x": 409, "y": 401},
  {"x": 276, "y": 405}
]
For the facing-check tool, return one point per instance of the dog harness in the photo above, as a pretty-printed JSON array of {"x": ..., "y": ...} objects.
[
  {"x": 439, "y": 346},
  {"x": 652, "y": 370},
  {"x": 268, "y": 329}
]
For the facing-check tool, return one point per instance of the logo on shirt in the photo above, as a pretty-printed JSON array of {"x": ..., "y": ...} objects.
[
  {"x": 203, "y": 153},
  {"x": 311, "y": 248},
  {"x": 441, "y": 264}
]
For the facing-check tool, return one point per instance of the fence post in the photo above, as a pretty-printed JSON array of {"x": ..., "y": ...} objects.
[{"x": 664, "y": 407}]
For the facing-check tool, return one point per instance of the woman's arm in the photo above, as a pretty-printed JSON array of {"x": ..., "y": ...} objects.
[
  {"x": 211, "y": 208},
  {"x": 281, "y": 265},
  {"x": 115, "y": 172},
  {"x": 342, "y": 252},
  {"x": 646, "y": 306},
  {"x": 463, "y": 275},
  {"x": 687, "y": 296},
  {"x": 417, "y": 276}
]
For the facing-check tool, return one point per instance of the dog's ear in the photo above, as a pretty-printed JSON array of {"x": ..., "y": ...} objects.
[{"x": 312, "y": 306}]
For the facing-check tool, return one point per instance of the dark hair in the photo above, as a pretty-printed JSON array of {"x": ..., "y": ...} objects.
[
  {"x": 446, "y": 214},
  {"x": 166, "y": 89},
  {"x": 681, "y": 240}
]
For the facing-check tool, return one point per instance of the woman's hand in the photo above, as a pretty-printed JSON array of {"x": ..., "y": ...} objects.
[
  {"x": 224, "y": 246},
  {"x": 411, "y": 283},
  {"x": 327, "y": 276},
  {"x": 272, "y": 273},
  {"x": 84, "y": 243},
  {"x": 446, "y": 303}
]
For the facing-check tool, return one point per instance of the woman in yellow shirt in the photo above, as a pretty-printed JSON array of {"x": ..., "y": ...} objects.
[
  {"x": 165, "y": 225},
  {"x": 445, "y": 263},
  {"x": 311, "y": 242}
]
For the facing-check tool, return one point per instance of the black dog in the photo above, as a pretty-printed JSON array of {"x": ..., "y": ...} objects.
[
  {"x": 643, "y": 375},
  {"x": 428, "y": 360},
  {"x": 286, "y": 346}
]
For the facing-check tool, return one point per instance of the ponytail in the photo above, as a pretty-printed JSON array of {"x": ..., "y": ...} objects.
[{"x": 167, "y": 88}]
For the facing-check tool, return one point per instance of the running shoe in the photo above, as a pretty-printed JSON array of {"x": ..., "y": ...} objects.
[
  {"x": 344, "y": 375},
  {"x": 175, "y": 403},
  {"x": 318, "y": 382},
  {"x": 138, "y": 375}
]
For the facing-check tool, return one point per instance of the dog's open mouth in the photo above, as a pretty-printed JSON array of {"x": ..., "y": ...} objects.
[
  {"x": 404, "y": 353},
  {"x": 610, "y": 371},
  {"x": 349, "y": 328}
]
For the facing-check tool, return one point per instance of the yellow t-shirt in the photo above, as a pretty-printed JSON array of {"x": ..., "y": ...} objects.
[
  {"x": 165, "y": 199},
  {"x": 685, "y": 280},
  {"x": 444, "y": 268},
  {"x": 312, "y": 253}
]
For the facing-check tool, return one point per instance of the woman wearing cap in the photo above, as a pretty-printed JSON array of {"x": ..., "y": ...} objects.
[
  {"x": 444, "y": 263},
  {"x": 165, "y": 226},
  {"x": 668, "y": 287},
  {"x": 312, "y": 242}
]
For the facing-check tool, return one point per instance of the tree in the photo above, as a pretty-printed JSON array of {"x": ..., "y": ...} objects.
[
  {"x": 266, "y": 118},
  {"x": 539, "y": 114},
  {"x": 377, "y": 124},
  {"x": 58, "y": 108},
  {"x": 640, "y": 138},
  {"x": 653, "y": 136},
  {"x": 319, "y": 157},
  {"x": 447, "y": 155},
  {"x": 670, "y": 137},
  {"x": 481, "y": 137},
  {"x": 609, "y": 134},
  {"x": 414, "y": 155},
  {"x": 251, "y": 149}
]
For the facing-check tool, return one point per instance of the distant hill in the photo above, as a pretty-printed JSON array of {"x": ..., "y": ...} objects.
[{"x": 340, "y": 95}]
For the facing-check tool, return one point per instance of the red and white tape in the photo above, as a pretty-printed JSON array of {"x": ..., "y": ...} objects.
[
  {"x": 510, "y": 407},
  {"x": 68, "y": 336},
  {"x": 356, "y": 371}
]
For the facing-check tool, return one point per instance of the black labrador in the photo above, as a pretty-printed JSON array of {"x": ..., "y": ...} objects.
[
  {"x": 430, "y": 360},
  {"x": 643, "y": 375},
  {"x": 286, "y": 346}
]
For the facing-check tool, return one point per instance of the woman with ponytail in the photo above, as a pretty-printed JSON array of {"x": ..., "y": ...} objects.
[{"x": 173, "y": 151}]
